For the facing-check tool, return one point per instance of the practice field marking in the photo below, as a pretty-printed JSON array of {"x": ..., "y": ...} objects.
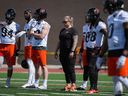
[
  {"x": 31, "y": 94},
  {"x": 6, "y": 95},
  {"x": 66, "y": 94},
  {"x": 70, "y": 94},
  {"x": 55, "y": 80}
]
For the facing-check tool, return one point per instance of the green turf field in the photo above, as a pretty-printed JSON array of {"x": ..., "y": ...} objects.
[{"x": 55, "y": 83}]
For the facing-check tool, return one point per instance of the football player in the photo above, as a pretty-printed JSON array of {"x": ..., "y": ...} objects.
[
  {"x": 39, "y": 46},
  {"x": 117, "y": 44},
  {"x": 95, "y": 39},
  {"x": 30, "y": 23},
  {"x": 8, "y": 32},
  {"x": 83, "y": 86}
]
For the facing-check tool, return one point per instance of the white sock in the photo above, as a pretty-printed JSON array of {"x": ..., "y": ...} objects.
[
  {"x": 118, "y": 88},
  {"x": 37, "y": 81},
  {"x": 44, "y": 82},
  {"x": 31, "y": 73},
  {"x": 124, "y": 81},
  {"x": 1, "y": 61},
  {"x": 84, "y": 83}
]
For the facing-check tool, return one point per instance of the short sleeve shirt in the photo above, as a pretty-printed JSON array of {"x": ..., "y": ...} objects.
[{"x": 66, "y": 39}]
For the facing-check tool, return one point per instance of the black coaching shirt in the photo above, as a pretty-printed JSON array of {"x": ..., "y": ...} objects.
[{"x": 66, "y": 39}]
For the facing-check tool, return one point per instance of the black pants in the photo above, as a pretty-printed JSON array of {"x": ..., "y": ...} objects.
[
  {"x": 86, "y": 73},
  {"x": 68, "y": 67},
  {"x": 91, "y": 70}
]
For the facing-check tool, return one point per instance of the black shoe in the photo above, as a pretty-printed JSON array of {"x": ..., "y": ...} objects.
[
  {"x": 80, "y": 88},
  {"x": 32, "y": 86}
]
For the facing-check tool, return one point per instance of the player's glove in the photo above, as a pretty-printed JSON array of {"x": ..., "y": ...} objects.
[
  {"x": 121, "y": 61},
  {"x": 16, "y": 52},
  {"x": 99, "y": 62}
]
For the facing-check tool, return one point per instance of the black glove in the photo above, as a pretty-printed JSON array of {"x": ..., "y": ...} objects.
[{"x": 16, "y": 52}]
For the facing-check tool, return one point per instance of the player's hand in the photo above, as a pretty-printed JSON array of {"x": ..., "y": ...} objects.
[
  {"x": 3, "y": 23},
  {"x": 99, "y": 62},
  {"x": 31, "y": 32},
  {"x": 121, "y": 61},
  {"x": 71, "y": 54}
]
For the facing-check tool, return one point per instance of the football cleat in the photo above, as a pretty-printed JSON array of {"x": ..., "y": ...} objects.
[
  {"x": 35, "y": 86},
  {"x": 67, "y": 87},
  {"x": 83, "y": 86},
  {"x": 43, "y": 87},
  {"x": 80, "y": 88},
  {"x": 26, "y": 85},
  {"x": 73, "y": 88},
  {"x": 92, "y": 91}
]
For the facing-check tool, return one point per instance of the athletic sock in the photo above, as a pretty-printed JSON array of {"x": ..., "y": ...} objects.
[
  {"x": 45, "y": 82},
  {"x": 31, "y": 73}
]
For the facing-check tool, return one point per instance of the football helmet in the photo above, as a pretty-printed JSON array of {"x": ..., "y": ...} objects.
[
  {"x": 93, "y": 15},
  {"x": 40, "y": 14},
  {"x": 24, "y": 64},
  {"x": 10, "y": 14},
  {"x": 119, "y": 4},
  {"x": 113, "y": 5}
]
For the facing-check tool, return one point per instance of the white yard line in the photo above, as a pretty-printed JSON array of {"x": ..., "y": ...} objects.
[
  {"x": 66, "y": 94},
  {"x": 7, "y": 95},
  {"x": 53, "y": 80},
  {"x": 31, "y": 94}
]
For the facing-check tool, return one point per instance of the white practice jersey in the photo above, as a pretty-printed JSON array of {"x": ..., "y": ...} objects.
[
  {"x": 8, "y": 32},
  {"x": 38, "y": 28},
  {"x": 92, "y": 36},
  {"x": 27, "y": 26},
  {"x": 116, "y": 39}
]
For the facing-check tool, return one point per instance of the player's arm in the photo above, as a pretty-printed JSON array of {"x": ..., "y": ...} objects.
[
  {"x": 3, "y": 23},
  {"x": 125, "y": 25},
  {"x": 42, "y": 34},
  {"x": 18, "y": 42},
  {"x": 104, "y": 47}
]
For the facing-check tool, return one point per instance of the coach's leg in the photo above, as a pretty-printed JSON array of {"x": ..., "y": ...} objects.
[
  {"x": 64, "y": 62},
  {"x": 72, "y": 73}
]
